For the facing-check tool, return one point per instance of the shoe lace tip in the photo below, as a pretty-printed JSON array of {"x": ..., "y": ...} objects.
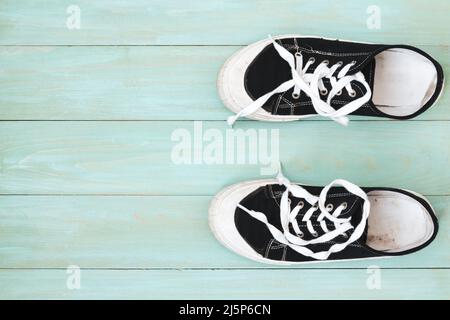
[
  {"x": 231, "y": 120},
  {"x": 343, "y": 120}
]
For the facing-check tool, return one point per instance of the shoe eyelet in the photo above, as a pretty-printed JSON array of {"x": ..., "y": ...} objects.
[
  {"x": 295, "y": 95},
  {"x": 339, "y": 93},
  {"x": 353, "y": 62},
  {"x": 344, "y": 205},
  {"x": 298, "y": 54},
  {"x": 301, "y": 204},
  {"x": 326, "y": 62},
  {"x": 315, "y": 234},
  {"x": 329, "y": 207},
  {"x": 339, "y": 63},
  {"x": 312, "y": 60},
  {"x": 352, "y": 93},
  {"x": 300, "y": 235},
  {"x": 324, "y": 92}
]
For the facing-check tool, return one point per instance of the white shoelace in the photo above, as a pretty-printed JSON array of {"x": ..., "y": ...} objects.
[
  {"x": 287, "y": 217},
  {"x": 312, "y": 85}
]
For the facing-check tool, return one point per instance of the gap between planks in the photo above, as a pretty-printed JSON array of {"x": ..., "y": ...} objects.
[
  {"x": 161, "y": 45},
  {"x": 205, "y": 120},
  {"x": 231, "y": 269},
  {"x": 132, "y": 195}
]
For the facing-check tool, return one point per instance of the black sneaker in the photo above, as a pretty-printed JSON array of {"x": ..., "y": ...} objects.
[
  {"x": 294, "y": 77},
  {"x": 277, "y": 222}
]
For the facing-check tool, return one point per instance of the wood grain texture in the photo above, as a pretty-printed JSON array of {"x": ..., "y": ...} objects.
[
  {"x": 135, "y": 157},
  {"x": 219, "y": 22},
  {"x": 129, "y": 83},
  {"x": 148, "y": 232},
  {"x": 105, "y": 195},
  {"x": 223, "y": 284}
]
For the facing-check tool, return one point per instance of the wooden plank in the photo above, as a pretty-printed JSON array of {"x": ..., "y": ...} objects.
[
  {"x": 67, "y": 163},
  {"x": 147, "y": 232},
  {"x": 133, "y": 83},
  {"x": 227, "y": 284},
  {"x": 218, "y": 22},
  {"x": 128, "y": 83},
  {"x": 140, "y": 157}
]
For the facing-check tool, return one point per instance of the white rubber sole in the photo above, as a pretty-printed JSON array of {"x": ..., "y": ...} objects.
[
  {"x": 221, "y": 222},
  {"x": 231, "y": 87},
  {"x": 221, "y": 218}
]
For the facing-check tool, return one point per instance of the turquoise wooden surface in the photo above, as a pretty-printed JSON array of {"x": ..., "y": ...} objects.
[
  {"x": 215, "y": 284},
  {"x": 128, "y": 157},
  {"x": 218, "y": 22},
  {"x": 127, "y": 83},
  {"x": 146, "y": 232},
  {"x": 86, "y": 176}
]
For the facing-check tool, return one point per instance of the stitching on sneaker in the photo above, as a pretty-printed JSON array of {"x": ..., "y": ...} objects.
[
  {"x": 339, "y": 54},
  {"x": 283, "y": 257},
  {"x": 290, "y": 104},
  {"x": 278, "y": 103},
  {"x": 268, "y": 248},
  {"x": 324, "y": 53}
]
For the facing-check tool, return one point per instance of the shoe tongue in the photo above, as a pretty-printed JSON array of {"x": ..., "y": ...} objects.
[
  {"x": 363, "y": 238},
  {"x": 336, "y": 196},
  {"x": 369, "y": 73},
  {"x": 364, "y": 64},
  {"x": 354, "y": 210},
  {"x": 356, "y": 218},
  {"x": 367, "y": 67}
]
